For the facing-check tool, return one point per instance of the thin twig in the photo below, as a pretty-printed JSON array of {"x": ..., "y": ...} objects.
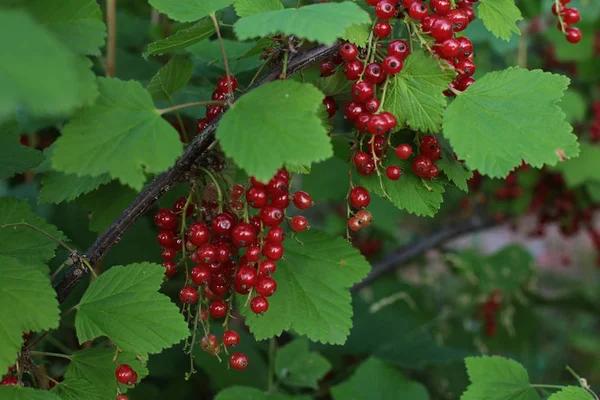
[
  {"x": 111, "y": 45},
  {"x": 227, "y": 73},
  {"x": 192, "y": 104}
]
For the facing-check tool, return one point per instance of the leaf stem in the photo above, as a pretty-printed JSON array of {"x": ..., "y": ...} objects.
[
  {"x": 179, "y": 121},
  {"x": 111, "y": 45},
  {"x": 227, "y": 73},
  {"x": 162, "y": 111},
  {"x": 285, "y": 64},
  {"x": 259, "y": 71},
  {"x": 46, "y": 354}
]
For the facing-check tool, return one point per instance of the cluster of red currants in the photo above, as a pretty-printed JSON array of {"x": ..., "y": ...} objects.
[
  {"x": 567, "y": 16},
  {"x": 220, "y": 94},
  {"x": 126, "y": 376},
  {"x": 595, "y": 125},
  {"x": 220, "y": 231}
]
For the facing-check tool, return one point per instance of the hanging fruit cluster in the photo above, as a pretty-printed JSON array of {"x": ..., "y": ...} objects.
[
  {"x": 435, "y": 27},
  {"x": 224, "y": 91},
  {"x": 567, "y": 16},
  {"x": 233, "y": 239}
]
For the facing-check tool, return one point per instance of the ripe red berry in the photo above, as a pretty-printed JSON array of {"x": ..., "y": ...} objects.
[
  {"x": 9, "y": 380},
  {"x": 398, "y": 48},
  {"x": 210, "y": 344},
  {"x": 165, "y": 219},
  {"x": 349, "y": 51},
  {"x": 126, "y": 375},
  {"x": 359, "y": 197},
  {"x": 382, "y": 29},
  {"x": 362, "y": 122},
  {"x": 198, "y": 234},
  {"x": 166, "y": 238},
  {"x": 201, "y": 124},
  {"x": 459, "y": 19},
  {"x": 223, "y": 85},
  {"x": 259, "y": 305},
  {"x": 441, "y": 29},
  {"x": 330, "y": 105},
  {"x": 353, "y": 110},
  {"x": 571, "y": 16},
  {"x": 433, "y": 172},
  {"x": 222, "y": 224},
  {"x": 385, "y": 9},
  {"x": 302, "y": 200},
  {"x": 200, "y": 274},
  {"x": 377, "y": 125},
  {"x": 378, "y": 145},
  {"x": 373, "y": 74},
  {"x": 246, "y": 277},
  {"x": 168, "y": 254},
  {"x": 558, "y": 10},
  {"x": 573, "y": 34},
  {"x": 231, "y": 338},
  {"x": 273, "y": 251},
  {"x": 299, "y": 223},
  {"x": 393, "y": 172},
  {"x": 170, "y": 268},
  {"x": 421, "y": 166},
  {"x": 267, "y": 267},
  {"x": 372, "y": 2},
  {"x": 217, "y": 95},
  {"x": 271, "y": 215},
  {"x": 243, "y": 234},
  {"x": 253, "y": 253},
  {"x": 392, "y": 64},
  {"x": 466, "y": 67},
  {"x": 440, "y": 7},
  {"x": 122, "y": 397},
  {"x": 213, "y": 111},
  {"x": 362, "y": 91},
  {"x": 449, "y": 48},
  {"x": 218, "y": 309},
  {"x": 418, "y": 10},
  {"x": 257, "y": 197},
  {"x": 403, "y": 151},
  {"x": 464, "y": 82},
  {"x": 372, "y": 105},
  {"x": 276, "y": 235},
  {"x": 238, "y": 361},
  {"x": 354, "y": 224},
  {"x": 188, "y": 295},
  {"x": 427, "y": 23},
  {"x": 327, "y": 68},
  {"x": 391, "y": 120},
  {"x": 353, "y": 69},
  {"x": 466, "y": 47},
  {"x": 266, "y": 286}
]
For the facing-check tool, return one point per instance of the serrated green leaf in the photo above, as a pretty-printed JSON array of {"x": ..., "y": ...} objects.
[
  {"x": 15, "y": 158},
  {"x": 96, "y": 368},
  {"x": 20, "y": 242},
  {"x": 189, "y": 10},
  {"x": 249, "y": 393},
  {"x": 454, "y": 170},
  {"x": 586, "y": 167},
  {"x": 497, "y": 378},
  {"x": 415, "y": 95},
  {"x": 357, "y": 34},
  {"x": 312, "y": 296},
  {"x": 76, "y": 23},
  {"x": 88, "y": 89},
  {"x": 209, "y": 51},
  {"x": 124, "y": 304},
  {"x": 78, "y": 389},
  {"x": 121, "y": 135},
  {"x": 323, "y": 22},
  {"x": 106, "y": 204},
  {"x": 571, "y": 393},
  {"x": 374, "y": 379},
  {"x": 58, "y": 187},
  {"x": 243, "y": 8},
  {"x": 334, "y": 85},
  {"x": 298, "y": 168},
  {"x": 171, "y": 78},
  {"x": 23, "y": 393},
  {"x": 409, "y": 193},
  {"x": 574, "y": 105},
  {"x": 508, "y": 117},
  {"x": 281, "y": 116},
  {"x": 295, "y": 365},
  {"x": 34, "y": 53},
  {"x": 27, "y": 303},
  {"x": 500, "y": 17},
  {"x": 182, "y": 39}
]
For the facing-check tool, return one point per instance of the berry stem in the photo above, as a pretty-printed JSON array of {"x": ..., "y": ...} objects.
[
  {"x": 259, "y": 70},
  {"x": 111, "y": 43},
  {"x": 162, "y": 111},
  {"x": 179, "y": 120},
  {"x": 227, "y": 73},
  {"x": 193, "y": 342},
  {"x": 285, "y": 64},
  {"x": 182, "y": 234},
  {"x": 558, "y": 5},
  {"x": 218, "y": 187},
  {"x": 46, "y": 354}
]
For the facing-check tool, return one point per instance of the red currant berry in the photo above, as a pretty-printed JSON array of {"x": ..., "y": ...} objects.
[
  {"x": 427, "y": 23},
  {"x": 362, "y": 122},
  {"x": 166, "y": 238},
  {"x": 213, "y": 111},
  {"x": 271, "y": 216},
  {"x": 354, "y": 224},
  {"x": 126, "y": 375},
  {"x": 217, "y": 95},
  {"x": 179, "y": 205},
  {"x": 573, "y": 34},
  {"x": 201, "y": 124},
  {"x": 385, "y": 9},
  {"x": 372, "y": 105},
  {"x": 441, "y": 29},
  {"x": 276, "y": 235},
  {"x": 238, "y": 361},
  {"x": 327, "y": 68},
  {"x": 378, "y": 145},
  {"x": 236, "y": 191},
  {"x": 168, "y": 254},
  {"x": 223, "y": 84},
  {"x": 200, "y": 274},
  {"x": 218, "y": 309},
  {"x": 122, "y": 397},
  {"x": 466, "y": 67},
  {"x": 418, "y": 10},
  {"x": 558, "y": 10},
  {"x": 440, "y": 7},
  {"x": 459, "y": 19},
  {"x": 421, "y": 166},
  {"x": 267, "y": 267},
  {"x": 257, "y": 184},
  {"x": 259, "y": 305},
  {"x": 373, "y": 74},
  {"x": 464, "y": 82},
  {"x": 393, "y": 172},
  {"x": 391, "y": 120},
  {"x": 253, "y": 253},
  {"x": 210, "y": 344},
  {"x": 353, "y": 69},
  {"x": 398, "y": 48},
  {"x": 243, "y": 234},
  {"x": 466, "y": 47},
  {"x": 377, "y": 125},
  {"x": 9, "y": 380},
  {"x": 353, "y": 110},
  {"x": 222, "y": 224},
  {"x": 330, "y": 105},
  {"x": 359, "y": 197},
  {"x": 246, "y": 277},
  {"x": 257, "y": 197},
  {"x": 449, "y": 48},
  {"x": 231, "y": 338},
  {"x": 198, "y": 234},
  {"x": 392, "y": 64},
  {"x": 299, "y": 223},
  {"x": 372, "y": 2},
  {"x": 434, "y": 172},
  {"x": 273, "y": 251},
  {"x": 302, "y": 200},
  {"x": 277, "y": 186},
  {"x": 362, "y": 91},
  {"x": 166, "y": 219},
  {"x": 403, "y": 151},
  {"x": 170, "y": 268},
  {"x": 349, "y": 51},
  {"x": 266, "y": 286},
  {"x": 188, "y": 295},
  {"x": 571, "y": 16},
  {"x": 382, "y": 29}
]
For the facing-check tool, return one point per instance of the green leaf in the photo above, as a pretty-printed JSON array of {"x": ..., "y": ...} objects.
[
  {"x": 243, "y": 8},
  {"x": 500, "y": 17},
  {"x": 335, "y": 85},
  {"x": 209, "y": 51},
  {"x": 375, "y": 380},
  {"x": 23, "y": 243},
  {"x": 415, "y": 96},
  {"x": 15, "y": 158},
  {"x": 88, "y": 89},
  {"x": 508, "y": 117},
  {"x": 78, "y": 389},
  {"x": 182, "y": 39},
  {"x": 571, "y": 393},
  {"x": 357, "y": 34},
  {"x": 574, "y": 105},
  {"x": 76, "y": 23},
  {"x": 281, "y": 116},
  {"x": 586, "y": 167},
  {"x": 121, "y": 135},
  {"x": 170, "y": 78},
  {"x": 35, "y": 53},
  {"x": 410, "y": 193},
  {"x": 106, "y": 204},
  {"x": 295, "y": 365},
  {"x": 249, "y": 393},
  {"x": 22, "y": 393},
  {"x": 312, "y": 296},
  {"x": 27, "y": 303},
  {"x": 124, "y": 304},
  {"x": 497, "y": 378},
  {"x": 456, "y": 171},
  {"x": 96, "y": 368},
  {"x": 323, "y": 22},
  {"x": 58, "y": 187},
  {"x": 189, "y": 10}
]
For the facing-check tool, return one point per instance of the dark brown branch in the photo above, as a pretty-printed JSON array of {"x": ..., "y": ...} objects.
[
  {"x": 398, "y": 258},
  {"x": 197, "y": 154}
]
